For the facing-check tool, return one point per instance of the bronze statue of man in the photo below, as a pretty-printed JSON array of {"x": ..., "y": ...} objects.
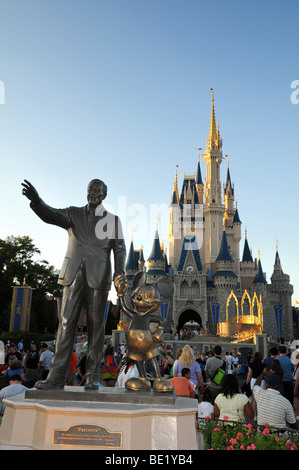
[{"x": 85, "y": 274}]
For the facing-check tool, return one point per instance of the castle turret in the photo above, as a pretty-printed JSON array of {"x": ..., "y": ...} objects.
[
  {"x": 225, "y": 276},
  {"x": 199, "y": 182},
  {"x": 235, "y": 248},
  {"x": 213, "y": 209},
  {"x": 228, "y": 196},
  {"x": 281, "y": 295},
  {"x": 247, "y": 267},
  {"x": 156, "y": 261},
  {"x": 260, "y": 277},
  {"x": 185, "y": 216}
]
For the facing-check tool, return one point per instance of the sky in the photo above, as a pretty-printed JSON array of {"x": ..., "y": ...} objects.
[{"x": 121, "y": 90}]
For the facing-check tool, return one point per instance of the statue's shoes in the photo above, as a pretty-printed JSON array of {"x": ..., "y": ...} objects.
[
  {"x": 138, "y": 384},
  {"x": 48, "y": 385},
  {"x": 91, "y": 385},
  {"x": 162, "y": 385}
]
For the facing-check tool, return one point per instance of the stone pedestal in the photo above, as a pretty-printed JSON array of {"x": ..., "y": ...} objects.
[{"x": 110, "y": 418}]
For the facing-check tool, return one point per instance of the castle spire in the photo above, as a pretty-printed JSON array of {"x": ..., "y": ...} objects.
[
  {"x": 156, "y": 253},
  {"x": 213, "y": 131},
  {"x": 214, "y": 140},
  {"x": 198, "y": 173},
  {"x": 277, "y": 262},
  {"x": 175, "y": 194},
  {"x": 224, "y": 253},
  {"x": 259, "y": 278},
  {"x": 247, "y": 257},
  {"x": 175, "y": 187}
]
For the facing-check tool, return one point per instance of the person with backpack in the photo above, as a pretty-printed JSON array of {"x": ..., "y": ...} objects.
[{"x": 215, "y": 371}]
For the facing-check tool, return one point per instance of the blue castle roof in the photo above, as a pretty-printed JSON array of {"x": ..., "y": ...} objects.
[
  {"x": 174, "y": 199},
  {"x": 246, "y": 253},
  {"x": 133, "y": 257},
  {"x": 190, "y": 243},
  {"x": 156, "y": 253},
  {"x": 260, "y": 275},
  {"x": 198, "y": 175},
  {"x": 236, "y": 218},
  {"x": 186, "y": 183},
  {"x": 224, "y": 253}
]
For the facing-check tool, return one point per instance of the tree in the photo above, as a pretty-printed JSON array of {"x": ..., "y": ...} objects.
[{"x": 17, "y": 264}]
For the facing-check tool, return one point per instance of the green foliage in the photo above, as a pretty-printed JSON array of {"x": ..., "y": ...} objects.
[
  {"x": 18, "y": 264},
  {"x": 224, "y": 435}
]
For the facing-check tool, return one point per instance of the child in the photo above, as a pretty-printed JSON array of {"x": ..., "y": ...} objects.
[{"x": 205, "y": 407}]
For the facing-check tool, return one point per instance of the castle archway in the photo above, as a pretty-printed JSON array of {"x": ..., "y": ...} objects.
[{"x": 188, "y": 316}]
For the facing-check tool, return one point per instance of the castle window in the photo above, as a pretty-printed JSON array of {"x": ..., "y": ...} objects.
[
  {"x": 190, "y": 291},
  {"x": 195, "y": 289},
  {"x": 184, "y": 288}
]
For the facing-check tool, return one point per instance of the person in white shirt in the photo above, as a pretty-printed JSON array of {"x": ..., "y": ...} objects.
[
  {"x": 229, "y": 361},
  {"x": 205, "y": 407},
  {"x": 229, "y": 403},
  {"x": 126, "y": 372},
  {"x": 272, "y": 407}
]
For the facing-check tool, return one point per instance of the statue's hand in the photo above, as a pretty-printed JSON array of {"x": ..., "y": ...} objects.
[
  {"x": 30, "y": 192},
  {"x": 157, "y": 334},
  {"x": 120, "y": 284}
]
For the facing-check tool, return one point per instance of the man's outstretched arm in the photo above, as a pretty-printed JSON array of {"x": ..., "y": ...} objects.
[{"x": 60, "y": 217}]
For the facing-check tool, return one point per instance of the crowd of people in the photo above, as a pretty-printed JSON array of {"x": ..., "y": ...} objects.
[
  {"x": 21, "y": 368},
  {"x": 268, "y": 393}
]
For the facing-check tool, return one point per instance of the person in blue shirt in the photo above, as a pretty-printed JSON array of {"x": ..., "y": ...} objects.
[
  {"x": 273, "y": 355},
  {"x": 15, "y": 387},
  {"x": 288, "y": 369},
  {"x": 15, "y": 368}
]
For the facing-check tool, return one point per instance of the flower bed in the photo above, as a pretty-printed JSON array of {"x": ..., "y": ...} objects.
[{"x": 225, "y": 435}]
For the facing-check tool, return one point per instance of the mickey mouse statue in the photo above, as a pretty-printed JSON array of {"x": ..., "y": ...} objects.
[{"x": 141, "y": 339}]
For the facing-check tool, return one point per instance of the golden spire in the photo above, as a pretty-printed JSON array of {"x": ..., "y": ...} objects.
[
  {"x": 213, "y": 132},
  {"x": 175, "y": 186},
  {"x": 132, "y": 236}
]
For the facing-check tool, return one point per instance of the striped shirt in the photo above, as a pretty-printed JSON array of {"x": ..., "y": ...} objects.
[{"x": 273, "y": 408}]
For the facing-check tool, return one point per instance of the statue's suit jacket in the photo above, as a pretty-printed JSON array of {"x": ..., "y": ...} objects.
[{"x": 91, "y": 237}]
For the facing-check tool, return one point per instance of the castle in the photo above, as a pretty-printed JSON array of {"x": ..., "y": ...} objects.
[{"x": 221, "y": 290}]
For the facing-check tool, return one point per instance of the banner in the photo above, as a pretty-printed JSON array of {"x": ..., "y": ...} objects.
[
  {"x": 20, "y": 308},
  {"x": 215, "y": 307},
  {"x": 164, "y": 311},
  {"x": 278, "y": 313}
]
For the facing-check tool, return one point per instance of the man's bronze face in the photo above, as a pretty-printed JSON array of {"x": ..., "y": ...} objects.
[{"x": 96, "y": 192}]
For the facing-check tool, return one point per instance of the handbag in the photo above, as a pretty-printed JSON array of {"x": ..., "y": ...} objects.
[{"x": 218, "y": 375}]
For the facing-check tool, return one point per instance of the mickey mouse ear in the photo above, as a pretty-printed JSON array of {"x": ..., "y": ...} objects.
[
  {"x": 165, "y": 287},
  {"x": 139, "y": 279}
]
